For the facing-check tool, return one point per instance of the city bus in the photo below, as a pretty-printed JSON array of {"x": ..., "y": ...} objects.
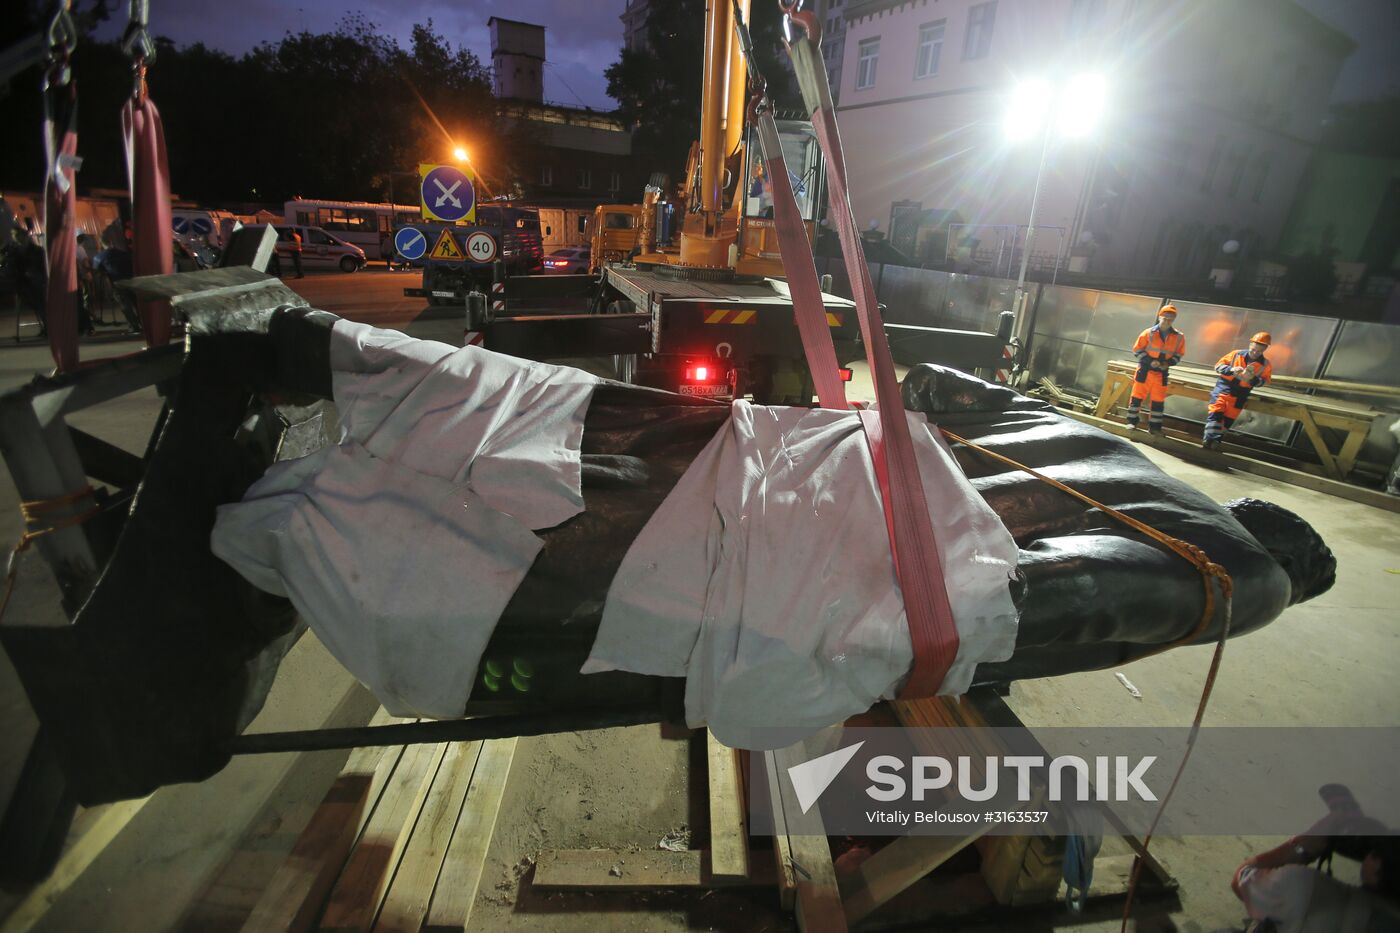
[{"x": 368, "y": 226}]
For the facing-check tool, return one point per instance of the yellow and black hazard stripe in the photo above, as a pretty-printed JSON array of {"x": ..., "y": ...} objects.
[{"x": 750, "y": 316}]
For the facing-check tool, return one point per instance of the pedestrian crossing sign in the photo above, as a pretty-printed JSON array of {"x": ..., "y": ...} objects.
[{"x": 447, "y": 249}]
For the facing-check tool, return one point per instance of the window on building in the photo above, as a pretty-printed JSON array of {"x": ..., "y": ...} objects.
[
  {"x": 869, "y": 55},
  {"x": 1262, "y": 164},
  {"x": 978, "y": 41},
  {"x": 930, "y": 49},
  {"x": 547, "y": 175},
  {"x": 585, "y": 178},
  {"x": 1085, "y": 16},
  {"x": 582, "y": 223},
  {"x": 1213, "y": 163},
  {"x": 1237, "y": 171},
  {"x": 614, "y": 181}
]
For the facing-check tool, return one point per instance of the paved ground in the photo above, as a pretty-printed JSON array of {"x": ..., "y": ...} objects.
[{"x": 1327, "y": 662}]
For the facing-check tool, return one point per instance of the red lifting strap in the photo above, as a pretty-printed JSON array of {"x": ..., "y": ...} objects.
[
  {"x": 800, "y": 270},
  {"x": 918, "y": 566},
  {"x": 60, "y": 243},
  {"x": 917, "y": 562},
  {"x": 148, "y": 178}
]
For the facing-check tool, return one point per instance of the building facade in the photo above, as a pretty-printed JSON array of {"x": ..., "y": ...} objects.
[
  {"x": 832, "y": 14},
  {"x": 634, "y": 24},
  {"x": 563, "y": 156},
  {"x": 517, "y": 59},
  {"x": 1212, "y": 112}
]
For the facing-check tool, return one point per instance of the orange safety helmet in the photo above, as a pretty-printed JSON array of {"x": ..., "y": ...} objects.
[
  {"x": 1167, "y": 309},
  {"x": 1263, "y": 337}
]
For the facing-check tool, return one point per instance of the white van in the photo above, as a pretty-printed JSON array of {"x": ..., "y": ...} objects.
[{"x": 319, "y": 249}]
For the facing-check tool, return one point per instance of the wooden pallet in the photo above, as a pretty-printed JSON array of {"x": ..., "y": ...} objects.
[
  {"x": 398, "y": 843},
  {"x": 1014, "y": 870}
]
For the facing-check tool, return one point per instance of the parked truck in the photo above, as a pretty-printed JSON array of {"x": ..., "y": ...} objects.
[
  {"x": 686, "y": 292},
  {"x": 460, "y": 258}
]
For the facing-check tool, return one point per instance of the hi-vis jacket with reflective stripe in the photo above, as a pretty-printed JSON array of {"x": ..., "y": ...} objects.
[
  {"x": 1259, "y": 372},
  {"x": 1153, "y": 345}
]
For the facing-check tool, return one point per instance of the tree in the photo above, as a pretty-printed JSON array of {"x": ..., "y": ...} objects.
[
  {"x": 326, "y": 115},
  {"x": 659, "y": 86},
  {"x": 1371, "y": 127}
]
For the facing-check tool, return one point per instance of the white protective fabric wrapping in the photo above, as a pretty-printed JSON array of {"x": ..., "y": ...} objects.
[
  {"x": 765, "y": 578},
  {"x": 401, "y": 545}
]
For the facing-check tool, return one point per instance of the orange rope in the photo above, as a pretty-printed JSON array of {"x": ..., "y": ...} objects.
[
  {"x": 1209, "y": 571},
  {"x": 34, "y": 512}
]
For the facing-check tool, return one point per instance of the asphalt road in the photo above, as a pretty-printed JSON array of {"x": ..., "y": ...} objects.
[{"x": 375, "y": 296}]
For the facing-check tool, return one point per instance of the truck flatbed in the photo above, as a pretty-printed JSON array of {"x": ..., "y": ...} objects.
[{"x": 644, "y": 287}]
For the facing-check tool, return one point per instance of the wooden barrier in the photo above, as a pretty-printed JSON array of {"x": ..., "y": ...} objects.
[{"x": 1311, "y": 411}]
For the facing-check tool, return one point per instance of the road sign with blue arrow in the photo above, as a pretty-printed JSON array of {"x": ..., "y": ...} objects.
[{"x": 411, "y": 243}]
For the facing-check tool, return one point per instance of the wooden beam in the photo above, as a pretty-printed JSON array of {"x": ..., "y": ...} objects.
[
  {"x": 1324, "y": 454},
  {"x": 786, "y": 874},
  {"x": 412, "y": 890},
  {"x": 465, "y": 861},
  {"x": 1192, "y": 452},
  {"x": 102, "y": 829},
  {"x": 361, "y": 887},
  {"x": 897, "y": 867},
  {"x": 1351, "y": 449},
  {"x": 614, "y": 868},
  {"x": 818, "y": 900},
  {"x": 729, "y": 837}
]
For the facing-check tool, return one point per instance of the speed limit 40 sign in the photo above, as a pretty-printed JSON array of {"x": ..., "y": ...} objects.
[{"x": 481, "y": 247}]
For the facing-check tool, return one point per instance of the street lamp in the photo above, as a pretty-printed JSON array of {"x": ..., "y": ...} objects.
[
  {"x": 460, "y": 155},
  {"x": 1036, "y": 108}
]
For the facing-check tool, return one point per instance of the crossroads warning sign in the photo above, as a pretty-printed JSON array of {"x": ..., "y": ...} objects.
[{"x": 447, "y": 249}]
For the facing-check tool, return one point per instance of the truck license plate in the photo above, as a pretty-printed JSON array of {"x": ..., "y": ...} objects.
[{"x": 708, "y": 391}]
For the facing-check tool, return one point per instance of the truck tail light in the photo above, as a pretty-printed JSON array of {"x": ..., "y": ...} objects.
[
  {"x": 703, "y": 372},
  {"x": 845, "y": 373}
]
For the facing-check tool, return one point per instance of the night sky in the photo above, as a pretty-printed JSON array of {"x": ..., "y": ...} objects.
[{"x": 583, "y": 38}]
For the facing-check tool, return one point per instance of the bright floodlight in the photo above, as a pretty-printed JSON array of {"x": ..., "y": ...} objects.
[
  {"x": 1082, "y": 104},
  {"x": 1027, "y": 110},
  {"x": 459, "y": 154}
]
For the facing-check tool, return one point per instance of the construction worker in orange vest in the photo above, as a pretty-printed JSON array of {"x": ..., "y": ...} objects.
[
  {"x": 1238, "y": 371},
  {"x": 1157, "y": 349}
]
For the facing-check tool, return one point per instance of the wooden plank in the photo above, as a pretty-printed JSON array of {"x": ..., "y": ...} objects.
[
  {"x": 296, "y": 893},
  {"x": 1351, "y": 449},
  {"x": 895, "y": 868},
  {"x": 786, "y": 874},
  {"x": 1193, "y": 452},
  {"x": 729, "y": 837},
  {"x": 261, "y": 860},
  {"x": 101, "y": 830},
  {"x": 1196, "y": 383},
  {"x": 1324, "y": 453},
  {"x": 407, "y": 902},
  {"x": 615, "y": 868},
  {"x": 360, "y": 889},
  {"x": 1113, "y": 384},
  {"x": 462, "y": 868},
  {"x": 818, "y": 900}
]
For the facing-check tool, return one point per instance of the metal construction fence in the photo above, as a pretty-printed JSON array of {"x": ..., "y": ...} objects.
[{"x": 1076, "y": 331}]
